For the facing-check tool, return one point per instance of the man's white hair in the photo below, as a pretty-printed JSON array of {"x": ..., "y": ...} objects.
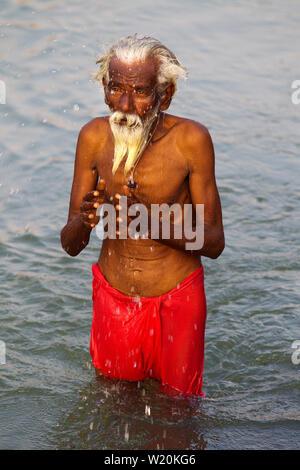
[{"x": 137, "y": 49}]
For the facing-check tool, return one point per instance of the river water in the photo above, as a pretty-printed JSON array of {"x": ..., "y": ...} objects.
[{"x": 242, "y": 58}]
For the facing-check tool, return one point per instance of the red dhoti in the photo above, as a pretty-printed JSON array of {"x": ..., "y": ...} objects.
[{"x": 161, "y": 337}]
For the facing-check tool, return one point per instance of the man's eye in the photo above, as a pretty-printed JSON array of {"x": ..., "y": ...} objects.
[{"x": 142, "y": 92}]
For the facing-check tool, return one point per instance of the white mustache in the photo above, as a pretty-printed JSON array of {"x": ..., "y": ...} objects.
[{"x": 131, "y": 120}]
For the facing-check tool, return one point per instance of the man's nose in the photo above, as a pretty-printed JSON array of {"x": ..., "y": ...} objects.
[{"x": 126, "y": 103}]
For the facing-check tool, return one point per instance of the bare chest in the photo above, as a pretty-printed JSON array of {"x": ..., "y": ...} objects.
[{"x": 160, "y": 174}]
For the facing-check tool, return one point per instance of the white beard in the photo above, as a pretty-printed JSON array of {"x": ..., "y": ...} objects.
[{"x": 130, "y": 138}]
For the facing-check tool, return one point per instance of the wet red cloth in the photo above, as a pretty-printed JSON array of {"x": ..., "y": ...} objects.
[{"x": 162, "y": 337}]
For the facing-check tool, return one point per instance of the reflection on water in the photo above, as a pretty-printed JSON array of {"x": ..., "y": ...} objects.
[{"x": 242, "y": 58}]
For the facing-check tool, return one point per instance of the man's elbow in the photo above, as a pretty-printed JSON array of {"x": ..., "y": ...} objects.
[
  {"x": 218, "y": 249},
  {"x": 65, "y": 245},
  {"x": 70, "y": 252}
]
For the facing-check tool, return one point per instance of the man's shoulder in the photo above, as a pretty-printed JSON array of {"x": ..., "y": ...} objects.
[
  {"x": 190, "y": 134},
  {"x": 95, "y": 130},
  {"x": 186, "y": 128}
]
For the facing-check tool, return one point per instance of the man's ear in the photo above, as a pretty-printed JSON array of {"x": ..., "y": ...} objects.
[{"x": 166, "y": 97}]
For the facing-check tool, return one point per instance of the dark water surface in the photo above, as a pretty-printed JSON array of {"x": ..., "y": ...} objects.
[{"x": 242, "y": 58}]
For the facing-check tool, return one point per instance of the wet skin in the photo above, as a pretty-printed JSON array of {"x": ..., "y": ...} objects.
[{"x": 178, "y": 166}]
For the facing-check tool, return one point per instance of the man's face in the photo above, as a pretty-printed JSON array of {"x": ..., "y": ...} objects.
[
  {"x": 132, "y": 88},
  {"x": 132, "y": 97}
]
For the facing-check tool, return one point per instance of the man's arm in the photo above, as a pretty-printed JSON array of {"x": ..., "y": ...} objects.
[
  {"x": 203, "y": 189},
  {"x": 76, "y": 233},
  {"x": 196, "y": 143}
]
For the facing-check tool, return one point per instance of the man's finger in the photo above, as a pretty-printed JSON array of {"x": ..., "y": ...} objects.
[
  {"x": 101, "y": 185},
  {"x": 126, "y": 190},
  {"x": 131, "y": 197},
  {"x": 89, "y": 205},
  {"x": 116, "y": 199},
  {"x": 129, "y": 193},
  {"x": 91, "y": 195},
  {"x": 90, "y": 220}
]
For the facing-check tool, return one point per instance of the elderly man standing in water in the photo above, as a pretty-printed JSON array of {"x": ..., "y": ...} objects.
[{"x": 149, "y": 305}]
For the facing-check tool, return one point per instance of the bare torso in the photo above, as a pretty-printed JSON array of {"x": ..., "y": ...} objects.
[{"x": 147, "y": 267}]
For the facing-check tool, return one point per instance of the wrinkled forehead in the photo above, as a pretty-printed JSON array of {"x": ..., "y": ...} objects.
[{"x": 135, "y": 73}]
